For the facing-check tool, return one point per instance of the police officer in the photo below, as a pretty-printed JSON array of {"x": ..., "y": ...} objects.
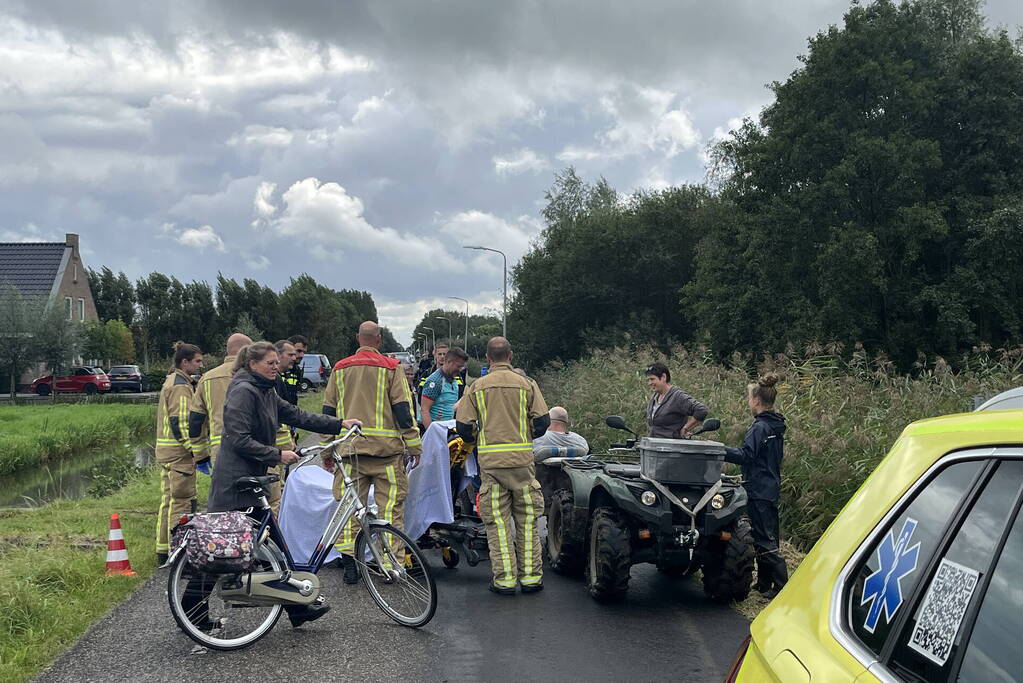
[
  {"x": 287, "y": 382},
  {"x": 173, "y": 449},
  {"x": 509, "y": 412},
  {"x": 370, "y": 387},
  {"x": 292, "y": 377}
]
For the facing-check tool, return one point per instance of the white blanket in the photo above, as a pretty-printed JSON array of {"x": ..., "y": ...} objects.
[
  {"x": 308, "y": 501},
  {"x": 430, "y": 497},
  {"x": 306, "y": 509}
]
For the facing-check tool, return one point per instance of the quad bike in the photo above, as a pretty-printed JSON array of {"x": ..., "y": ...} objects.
[{"x": 659, "y": 501}]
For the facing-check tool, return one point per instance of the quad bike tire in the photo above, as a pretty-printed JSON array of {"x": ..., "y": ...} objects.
[
  {"x": 610, "y": 557},
  {"x": 728, "y": 575},
  {"x": 565, "y": 545}
]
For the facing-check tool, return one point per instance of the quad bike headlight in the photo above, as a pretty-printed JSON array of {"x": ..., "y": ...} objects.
[
  {"x": 648, "y": 498},
  {"x": 717, "y": 502}
]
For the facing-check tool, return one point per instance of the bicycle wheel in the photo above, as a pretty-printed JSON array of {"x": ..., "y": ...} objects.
[
  {"x": 400, "y": 583},
  {"x": 210, "y": 620}
]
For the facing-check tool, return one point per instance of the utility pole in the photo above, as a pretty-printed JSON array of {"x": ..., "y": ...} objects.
[{"x": 466, "y": 301}]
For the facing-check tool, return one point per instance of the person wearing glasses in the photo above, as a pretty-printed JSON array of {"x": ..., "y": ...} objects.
[
  {"x": 670, "y": 413},
  {"x": 253, "y": 413}
]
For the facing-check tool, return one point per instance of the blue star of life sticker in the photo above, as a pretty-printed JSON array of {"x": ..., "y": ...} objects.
[{"x": 882, "y": 589}]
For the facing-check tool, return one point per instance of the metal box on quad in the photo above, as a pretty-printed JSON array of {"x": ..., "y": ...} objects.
[{"x": 659, "y": 501}]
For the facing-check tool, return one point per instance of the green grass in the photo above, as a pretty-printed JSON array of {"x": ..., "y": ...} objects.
[
  {"x": 31, "y": 434},
  {"x": 843, "y": 412},
  {"x": 52, "y": 561}
]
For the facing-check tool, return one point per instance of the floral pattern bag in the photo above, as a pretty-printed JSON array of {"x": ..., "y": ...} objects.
[{"x": 221, "y": 543}]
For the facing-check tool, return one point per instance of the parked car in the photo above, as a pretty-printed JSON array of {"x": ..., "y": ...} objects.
[
  {"x": 315, "y": 371},
  {"x": 81, "y": 379},
  {"x": 1007, "y": 400},
  {"x": 403, "y": 357},
  {"x": 918, "y": 578},
  {"x": 126, "y": 378}
]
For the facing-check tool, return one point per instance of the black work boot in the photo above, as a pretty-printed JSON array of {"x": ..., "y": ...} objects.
[
  {"x": 299, "y": 615},
  {"x": 501, "y": 590},
  {"x": 161, "y": 559},
  {"x": 351, "y": 569}
]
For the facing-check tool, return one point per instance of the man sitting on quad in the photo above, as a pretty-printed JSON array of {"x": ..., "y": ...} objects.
[
  {"x": 671, "y": 413},
  {"x": 558, "y": 436}
]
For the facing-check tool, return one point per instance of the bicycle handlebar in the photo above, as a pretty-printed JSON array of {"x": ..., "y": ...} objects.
[{"x": 309, "y": 452}]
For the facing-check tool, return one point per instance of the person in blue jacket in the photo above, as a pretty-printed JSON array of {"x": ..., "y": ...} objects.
[{"x": 761, "y": 456}]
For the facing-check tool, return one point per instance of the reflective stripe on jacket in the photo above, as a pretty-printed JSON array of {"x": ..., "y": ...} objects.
[
  {"x": 369, "y": 386},
  {"x": 172, "y": 442},
  {"x": 504, "y": 404},
  {"x": 206, "y": 426}
]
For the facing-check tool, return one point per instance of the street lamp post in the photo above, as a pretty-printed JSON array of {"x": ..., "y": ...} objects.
[
  {"x": 422, "y": 348},
  {"x": 504, "y": 313},
  {"x": 434, "y": 335},
  {"x": 466, "y": 301},
  {"x": 440, "y": 317}
]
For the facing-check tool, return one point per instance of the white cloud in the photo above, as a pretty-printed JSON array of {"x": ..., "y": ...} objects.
[
  {"x": 480, "y": 228},
  {"x": 325, "y": 214},
  {"x": 257, "y": 262},
  {"x": 644, "y": 122},
  {"x": 366, "y": 108},
  {"x": 263, "y": 202},
  {"x": 263, "y": 136},
  {"x": 200, "y": 238},
  {"x": 520, "y": 161},
  {"x": 30, "y": 233}
]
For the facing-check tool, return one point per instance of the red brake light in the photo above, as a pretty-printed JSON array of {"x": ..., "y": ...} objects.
[{"x": 733, "y": 671}]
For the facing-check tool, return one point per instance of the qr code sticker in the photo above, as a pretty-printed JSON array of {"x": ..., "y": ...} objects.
[{"x": 942, "y": 612}]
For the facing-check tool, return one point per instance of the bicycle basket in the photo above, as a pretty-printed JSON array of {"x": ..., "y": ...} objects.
[{"x": 220, "y": 543}]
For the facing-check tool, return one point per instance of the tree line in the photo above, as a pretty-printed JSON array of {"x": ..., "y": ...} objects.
[
  {"x": 433, "y": 326},
  {"x": 877, "y": 201},
  {"x": 160, "y": 310}
]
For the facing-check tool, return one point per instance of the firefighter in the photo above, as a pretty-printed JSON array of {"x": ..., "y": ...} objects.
[
  {"x": 502, "y": 413},
  {"x": 370, "y": 387},
  {"x": 173, "y": 449},
  {"x": 206, "y": 413}
]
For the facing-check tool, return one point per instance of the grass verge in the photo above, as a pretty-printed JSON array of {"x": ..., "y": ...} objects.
[
  {"x": 32, "y": 434},
  {"x": 52, "y": 561}
]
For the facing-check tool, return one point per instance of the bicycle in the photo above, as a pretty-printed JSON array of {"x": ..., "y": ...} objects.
[{"x": 232, "y": 611}]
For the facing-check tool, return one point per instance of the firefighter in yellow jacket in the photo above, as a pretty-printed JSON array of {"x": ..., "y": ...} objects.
[
  {"x": 502, "y": 412},
  {"x": 173, "y": 449},
  {"x": 372, "y": 388}
]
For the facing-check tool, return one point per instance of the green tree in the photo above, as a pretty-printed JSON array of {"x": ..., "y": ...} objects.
[
  {"x": 114, "y": 295},
  {"x": 57, "y": 341},
  {"x": 860, "y": 190},
  {"x": 247, "y": 326},
  {"x": 388, "y": 343},
  {"x": 19, "y": 320},
  {"x": 122, "y": 345}
]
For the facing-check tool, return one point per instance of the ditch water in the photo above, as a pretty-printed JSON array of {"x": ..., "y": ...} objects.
[{"x": 97, "y": 473}]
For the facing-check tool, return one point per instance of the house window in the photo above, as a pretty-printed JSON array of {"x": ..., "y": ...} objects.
[
  {"x": 67, "y": 307},
  {"x": 76, "y": 271},
  {"x": 81, "y": 310}
]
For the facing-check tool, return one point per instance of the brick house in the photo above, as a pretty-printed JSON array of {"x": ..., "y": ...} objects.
[{"x": 53, "y": 270}]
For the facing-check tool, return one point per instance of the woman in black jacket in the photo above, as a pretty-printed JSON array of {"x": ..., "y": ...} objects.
[
  {"x": 670, "y": 413},
  {"x": 252, "y": 414},
  {"x": 760, "y": 458}
]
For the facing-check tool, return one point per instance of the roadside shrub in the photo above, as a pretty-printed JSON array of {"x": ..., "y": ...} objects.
[{"x": 843, "y": 412}]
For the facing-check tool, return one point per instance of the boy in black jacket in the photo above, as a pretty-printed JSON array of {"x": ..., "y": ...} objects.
[{"x": 760, "y": 457}]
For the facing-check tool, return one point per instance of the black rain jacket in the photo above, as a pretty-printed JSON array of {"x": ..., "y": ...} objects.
[
  {"x": 761, "y": 455},
  {"x": 252, "y": 414}
]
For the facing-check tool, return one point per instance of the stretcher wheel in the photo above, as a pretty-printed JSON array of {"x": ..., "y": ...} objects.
[{"x": 450, "y": 557}]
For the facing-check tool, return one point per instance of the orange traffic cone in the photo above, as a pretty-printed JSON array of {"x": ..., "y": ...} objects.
[{"x": 117, "y": 554}]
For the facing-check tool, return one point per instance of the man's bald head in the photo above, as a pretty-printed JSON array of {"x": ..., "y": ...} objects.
[
  {"x": 369, "y": 334},
  {"x": 499, "y": 350},
  {"x": 235, "y": 343}
]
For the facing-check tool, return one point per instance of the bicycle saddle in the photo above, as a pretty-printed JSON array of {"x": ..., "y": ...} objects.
[{"x": 252, "y": 483}]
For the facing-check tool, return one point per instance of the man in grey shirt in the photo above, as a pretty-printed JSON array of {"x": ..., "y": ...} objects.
[{"x": 558, "y": 436}]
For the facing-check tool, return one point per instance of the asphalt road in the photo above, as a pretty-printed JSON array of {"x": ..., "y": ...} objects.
[{"x": 665, "y": 629}]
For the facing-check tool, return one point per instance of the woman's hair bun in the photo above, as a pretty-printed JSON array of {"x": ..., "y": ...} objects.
[
  {"x": 769, "y": 379},
  {"x": 177, "y": 345}
]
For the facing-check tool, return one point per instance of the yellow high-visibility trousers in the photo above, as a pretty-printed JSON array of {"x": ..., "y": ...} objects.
[
  {"x": 177, "y": 487},
  {"x": 510, "y": 503}
]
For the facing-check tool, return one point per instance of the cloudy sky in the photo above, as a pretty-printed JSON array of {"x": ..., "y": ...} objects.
[{"x": 363, "y": 143}]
